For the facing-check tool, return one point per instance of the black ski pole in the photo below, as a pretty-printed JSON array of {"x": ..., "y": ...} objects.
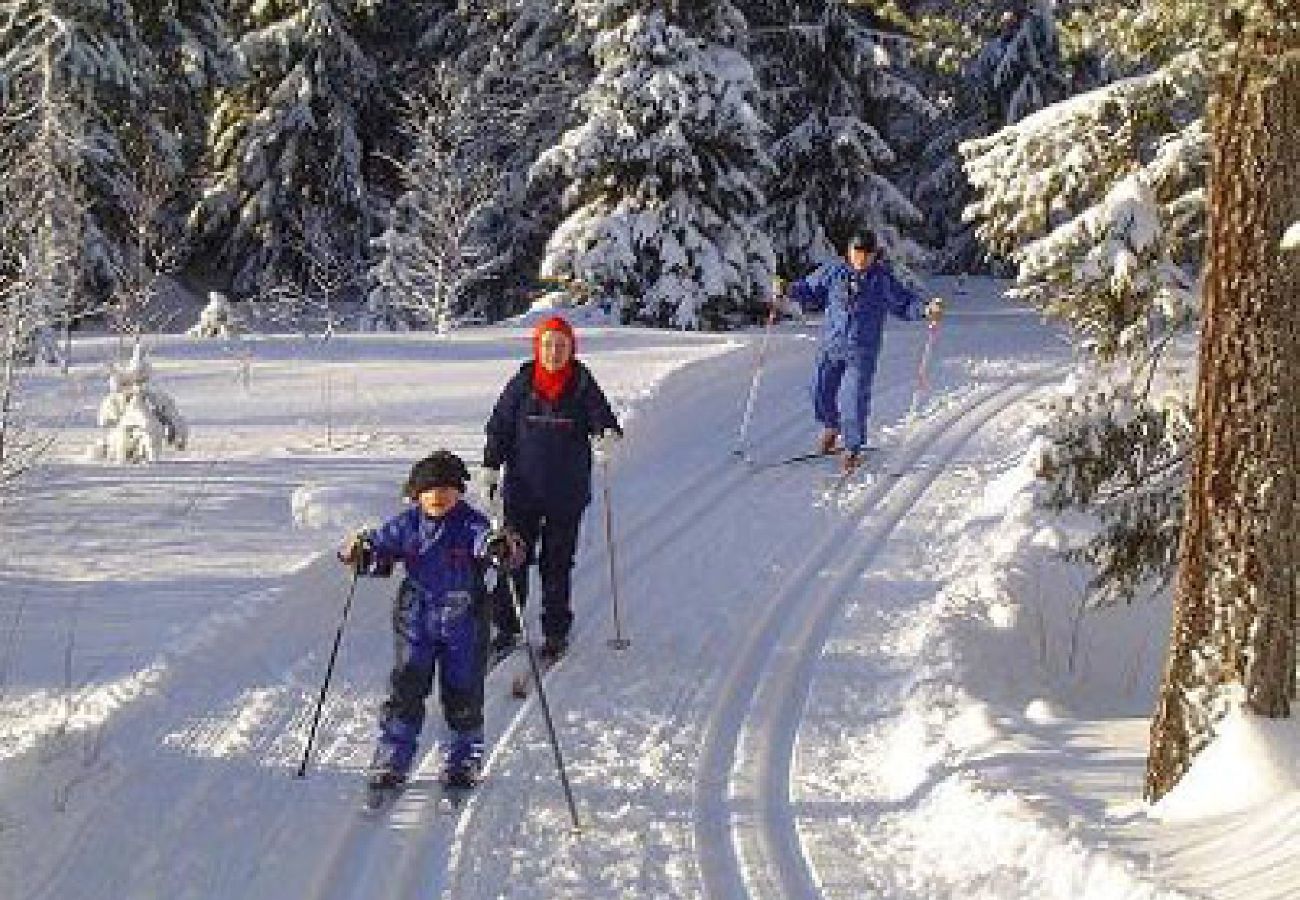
[
  {"x": 329, "y": 671},
  {"x": 618, "y": 641},
  {"x": 542, "y": 701}
]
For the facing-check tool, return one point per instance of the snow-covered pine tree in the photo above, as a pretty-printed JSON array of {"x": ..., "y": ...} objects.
[
  {"x": 1019, "y": 69},
  {"x": 987, "y": 64},
  {"x": 1099, "y": 199},
  {"x": 288, "y": 205},
  {"x": 528, "y": 59},
  {"x": 217, "y": 319},
  {"x": 100, "y": 78},
  {"x": 400, "y": 38},
  {"x": 138, "y": 418},
  {"x": 194, "y": 57},
  {"x": 664, "y": 175},
  {"x": 832, "y": 82}
]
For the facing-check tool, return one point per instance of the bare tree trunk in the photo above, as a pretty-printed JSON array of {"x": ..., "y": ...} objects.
[{"x": 1236, "y": 593}]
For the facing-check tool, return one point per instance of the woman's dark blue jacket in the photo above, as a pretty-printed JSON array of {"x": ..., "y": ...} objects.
[{"x": 545, "y": 447}]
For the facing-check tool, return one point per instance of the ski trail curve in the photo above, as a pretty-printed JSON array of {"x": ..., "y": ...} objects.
[{"x": 745, "y": 829}]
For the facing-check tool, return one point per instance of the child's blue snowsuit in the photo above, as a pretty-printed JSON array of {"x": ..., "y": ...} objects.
[
  {"x": 855, "y": 304},
  {"x": 440, "y": 622}
]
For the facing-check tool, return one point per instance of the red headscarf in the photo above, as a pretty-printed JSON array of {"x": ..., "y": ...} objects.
[{"x": 550, "y": 385}]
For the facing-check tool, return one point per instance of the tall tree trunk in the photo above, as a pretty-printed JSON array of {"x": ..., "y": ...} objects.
[{"x": 1239, "y": 562}]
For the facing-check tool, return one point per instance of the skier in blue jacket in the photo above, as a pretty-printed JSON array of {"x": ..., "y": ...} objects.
[
  {"x": 440, "y": 619},
  {"x": 541, "y": 432},
  {"x": 856, "y": 294}
]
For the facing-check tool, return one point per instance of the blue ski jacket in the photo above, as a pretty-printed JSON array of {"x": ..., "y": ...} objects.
[
  {"x": 545, "y": 447},
  {"x": 856, "y": 304},
  {"x": 445, "y": 558}
]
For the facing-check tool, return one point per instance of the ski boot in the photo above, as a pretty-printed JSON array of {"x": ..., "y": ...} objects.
[
  {"x": 826, "y": 445},
  {"x": 382, "y": 787},
  {"x": 553, "y": 649}
]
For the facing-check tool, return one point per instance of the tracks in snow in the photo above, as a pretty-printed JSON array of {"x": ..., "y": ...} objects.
[
  {"x": 414, "y": 851},
  {"x": 746, "y": 833}
]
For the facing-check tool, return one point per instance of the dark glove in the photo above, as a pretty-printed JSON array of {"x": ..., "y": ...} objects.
[
  {"x": 505, "y": 549},
  {"x": 359, "y": 554}
]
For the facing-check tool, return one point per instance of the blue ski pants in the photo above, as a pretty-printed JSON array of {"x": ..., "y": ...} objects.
[
  {"x": 449, "y": 639},
  {"x": 849, "y": 376}
]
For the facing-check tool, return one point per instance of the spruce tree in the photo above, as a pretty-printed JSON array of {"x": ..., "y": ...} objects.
[
  {"x": 833, "y": 81},
  {"x": 664, "y": 176},
  {"x": 1099, "y": 200},
  {"x": 288, "y": 206},
  {"x": 88, "y": 60},
  {"x": 986, "y": 63}
]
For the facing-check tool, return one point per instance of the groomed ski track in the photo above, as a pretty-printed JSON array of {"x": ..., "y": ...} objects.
[
  {"x": 683, "y": 773},
  {"x": 745, "y": 826}
]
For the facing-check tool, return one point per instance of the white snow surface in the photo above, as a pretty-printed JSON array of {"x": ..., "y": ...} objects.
[{"x": 887, "y": 690}]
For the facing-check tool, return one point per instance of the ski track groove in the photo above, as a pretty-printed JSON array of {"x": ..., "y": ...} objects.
[
  {"x": 430, "y": 856},
  {"x": 359, "y": 861},
  {"x": 669, "y": 530},
  {"x": 184, "y": 670},
  {"x": 746, "y": 834}
]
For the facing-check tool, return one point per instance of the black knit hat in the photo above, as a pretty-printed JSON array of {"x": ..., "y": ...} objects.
[
  {"x": 864, "y": 239},
  {"x": 441, "y": 468}
]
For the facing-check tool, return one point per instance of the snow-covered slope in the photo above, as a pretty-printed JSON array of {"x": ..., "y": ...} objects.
[{"x": 876, "y": 689}]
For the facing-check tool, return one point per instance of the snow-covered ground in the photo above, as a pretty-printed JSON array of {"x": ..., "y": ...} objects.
[{"x": 889, "y": 689}]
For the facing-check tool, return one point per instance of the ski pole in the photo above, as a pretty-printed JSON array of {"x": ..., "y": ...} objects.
[
  {"x": 542, "y": 701},
  {"x": 497, "y": 506},
  {"x": 618, "y": 641},
  {"x": 922, "y": 380},
  {"x": 329, "y": 671},
  {"x": 743, "y": 437}
]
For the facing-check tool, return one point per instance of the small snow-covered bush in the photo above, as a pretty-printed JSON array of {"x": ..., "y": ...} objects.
[
  {"x": 138, "y": 419},
  {"x": 217, "y": 320}
]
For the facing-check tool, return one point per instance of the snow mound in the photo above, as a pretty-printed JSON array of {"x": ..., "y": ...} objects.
[
  {"x": 558, "y": 303},
  {"x": 1291, "y": 240},
  {"x": 1252, "y": 761},
  {"x": 346, "y": 508}
]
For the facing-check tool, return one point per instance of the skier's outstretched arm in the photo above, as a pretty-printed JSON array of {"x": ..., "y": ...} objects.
[
  {"x": 810, "y": 293},
  {"x": 902, "y": 301}
]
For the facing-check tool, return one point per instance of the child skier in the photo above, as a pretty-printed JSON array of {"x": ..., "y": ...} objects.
[{"x": 441, "y": 617}]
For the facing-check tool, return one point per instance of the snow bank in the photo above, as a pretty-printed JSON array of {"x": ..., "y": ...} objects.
[
  {"x": 558, "y": 303},
  {"x": 995, "y": 846},
  {"x": 1251, "y": 761},
  {"x": 346, "y": 508}
]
